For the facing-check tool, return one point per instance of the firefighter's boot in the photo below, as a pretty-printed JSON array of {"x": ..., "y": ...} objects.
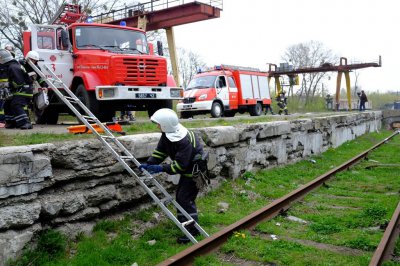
[
  {"x": 184, "y": 239},
  {"x": 26, "y": 126}
]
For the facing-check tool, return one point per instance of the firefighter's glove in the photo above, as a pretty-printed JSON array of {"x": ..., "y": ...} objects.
[
  {"x": 143, "y": 166},
  {"x": 152, "y": 169}
]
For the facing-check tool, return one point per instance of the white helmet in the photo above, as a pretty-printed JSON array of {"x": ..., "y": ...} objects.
[
  {"x": 5, "y": 56},
  {"x": 32, "y": 55},
  {"x": 167, "y": 119}
]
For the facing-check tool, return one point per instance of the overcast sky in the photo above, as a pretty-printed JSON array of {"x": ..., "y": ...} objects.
[{"x": 255, "y": 32}]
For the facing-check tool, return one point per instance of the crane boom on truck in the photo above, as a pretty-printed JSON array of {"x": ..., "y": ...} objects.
[
  {"x": 225, "y": 90},
  {"x": 108, "y": 67}
]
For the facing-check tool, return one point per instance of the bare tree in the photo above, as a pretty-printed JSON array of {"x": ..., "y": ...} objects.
[
  {"x": 189, "y": 64},
  {"x": 356, "y": 76},
  {"x": 188, "y": 61},
  {"x": 15, "y": 15},
  {"x": 310, "y": 54}
]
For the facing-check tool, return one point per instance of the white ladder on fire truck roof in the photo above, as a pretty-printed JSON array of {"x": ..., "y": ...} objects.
[
  {"x": 120, "y": 153},
  {"x": 68, "y": 14}
]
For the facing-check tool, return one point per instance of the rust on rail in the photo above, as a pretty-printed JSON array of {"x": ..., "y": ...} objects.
[{"x": 386, "y": 246}]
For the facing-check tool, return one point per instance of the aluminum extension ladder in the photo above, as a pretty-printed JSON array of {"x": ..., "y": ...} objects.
[{"x": 123, "y": 155}]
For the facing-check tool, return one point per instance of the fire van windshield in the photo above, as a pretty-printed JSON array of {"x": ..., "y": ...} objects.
[
  {"x": 203, "y": 82},
  {"x": 112, "y": 39}
]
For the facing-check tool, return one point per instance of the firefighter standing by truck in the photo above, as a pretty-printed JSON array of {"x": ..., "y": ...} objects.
[
  {"x": 4, "y": 84},
  {"x": 39, "y": 84},
  {"x": 4, "y": 92},
  {"x": 281, "y": 100},
  {"x": 21, "y": 88},
  {"x": 33, "y": 56},
  {"x": 183, "y": 147}
]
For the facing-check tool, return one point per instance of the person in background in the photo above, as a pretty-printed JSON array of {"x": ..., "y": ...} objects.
[
  {"x": 363, "y": 100},
  {"x": 4, "y": 88},
  {"x": 329, "y": 102},
  {"x": 33, "y": 56},
  {"x": 268, "y": 107},
  {"x": 20, "y": 85},
  {"x": 4, "y": 82},
  {"x": 129, "y": 115},
  {"x": 282, "y": 101},
  {"x": 182, "y": 146}
]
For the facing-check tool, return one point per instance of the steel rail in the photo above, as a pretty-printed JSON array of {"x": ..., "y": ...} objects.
[
  {"x": 386, "y": 246},
  {"x": 212, "y": 243}
]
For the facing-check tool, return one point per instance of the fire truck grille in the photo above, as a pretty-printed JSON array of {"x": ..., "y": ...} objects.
[
  {"x": 189, "y": 100},
  {"x": 141, "y": 71}
]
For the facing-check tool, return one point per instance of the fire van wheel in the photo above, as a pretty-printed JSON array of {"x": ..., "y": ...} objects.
[
  {"x": 216, "y": 110},
  {"x": 255, "y": 110}
]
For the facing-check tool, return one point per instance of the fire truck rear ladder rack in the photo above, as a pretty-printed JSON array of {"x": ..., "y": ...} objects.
[{"x": 120, "y": 153}]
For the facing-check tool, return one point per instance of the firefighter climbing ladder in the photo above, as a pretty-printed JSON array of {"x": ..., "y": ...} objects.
[{"x": 123, "y": 155}]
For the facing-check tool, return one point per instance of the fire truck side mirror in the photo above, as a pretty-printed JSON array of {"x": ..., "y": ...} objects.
[{"x": 160, "y": 50}]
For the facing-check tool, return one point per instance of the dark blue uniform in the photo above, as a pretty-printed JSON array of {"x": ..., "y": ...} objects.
[
  {"x": 21, "y": 87},
  {"x": 3, "y": 84},
  {"x": 182, "y": 154}
]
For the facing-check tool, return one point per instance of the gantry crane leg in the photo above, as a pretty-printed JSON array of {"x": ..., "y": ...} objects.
[
  {"x": 172, "y": 54},
  {"x": 338, "y": 82},
  {"x": 278, "y": 86}
]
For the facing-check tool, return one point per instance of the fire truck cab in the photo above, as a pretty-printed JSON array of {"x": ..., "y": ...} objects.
[
  {"x": 226, "y": 90},
  {"x": 108, "y": 67}
]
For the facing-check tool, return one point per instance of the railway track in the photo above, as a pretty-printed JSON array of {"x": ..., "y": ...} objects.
[{"x": 215, "y": 241}]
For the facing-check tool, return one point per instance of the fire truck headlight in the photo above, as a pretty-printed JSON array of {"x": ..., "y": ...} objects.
[
  {"x": 203, "y": 97},
  {"x": 106, "y": 93},
  {"x": 176, "y": 93}
]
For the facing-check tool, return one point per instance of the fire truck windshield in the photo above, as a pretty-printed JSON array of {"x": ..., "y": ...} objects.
[
  {"x": 112, "y": 39},
  {"x": 201, "y": 82}
]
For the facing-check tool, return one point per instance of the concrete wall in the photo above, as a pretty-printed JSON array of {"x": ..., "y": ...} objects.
[{"x": 69, "y": 185}]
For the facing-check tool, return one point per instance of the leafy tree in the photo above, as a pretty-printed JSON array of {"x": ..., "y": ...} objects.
[{"x": 310, "y": 54}]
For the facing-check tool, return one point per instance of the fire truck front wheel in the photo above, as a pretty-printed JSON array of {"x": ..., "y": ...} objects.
[
  {"x": 216, "y": 110},
  {"x": 88, "y": 98}
]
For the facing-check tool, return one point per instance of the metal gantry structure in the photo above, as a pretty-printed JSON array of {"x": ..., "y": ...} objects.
[
  {"x": 343, "y": 68},
  {"x": 163, "y": 14}
]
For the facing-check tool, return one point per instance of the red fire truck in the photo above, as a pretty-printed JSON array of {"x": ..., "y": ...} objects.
[
  {"x": 108, "y": 67},
  {"x": 226, "y": 90}
]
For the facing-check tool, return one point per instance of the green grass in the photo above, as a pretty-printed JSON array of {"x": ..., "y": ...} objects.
[
  {"x": 340, "y": 213},
  {"x": 143, "y": 126}
]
